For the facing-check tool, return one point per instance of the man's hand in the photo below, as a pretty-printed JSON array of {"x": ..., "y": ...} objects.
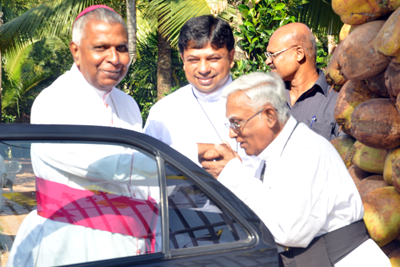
[{"x": 213, "y": 158}]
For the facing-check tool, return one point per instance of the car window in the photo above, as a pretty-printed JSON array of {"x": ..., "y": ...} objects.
[
  {"x": 194, "y": 218},
  {"x": 73, "y": 202}
]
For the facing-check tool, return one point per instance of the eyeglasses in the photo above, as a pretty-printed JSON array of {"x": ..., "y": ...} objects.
[
  {"x": 236, "y": 127},
  {"x": 274, "y": 55}
]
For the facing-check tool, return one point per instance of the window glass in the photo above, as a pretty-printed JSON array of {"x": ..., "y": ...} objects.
[
  {"x": 194, "y": 219},
  {"x": 72, "y": 202}
]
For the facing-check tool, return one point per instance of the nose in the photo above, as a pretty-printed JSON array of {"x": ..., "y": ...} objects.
[
  {"x": 204, "y": 67},
  {"x": 232, "y": 133},
  {"x": 113, "y": 56},
  {"x": 268, "y": 61}
]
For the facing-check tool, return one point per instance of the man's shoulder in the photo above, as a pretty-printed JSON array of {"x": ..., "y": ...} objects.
[
  {"x": 174, "y": 100},
  {"x": 55, "y": 88},
  {"x": 121, "y": 94}
]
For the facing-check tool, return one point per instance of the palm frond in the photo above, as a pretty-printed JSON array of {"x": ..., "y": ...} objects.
[
  {"x": 319, "y": 16},
  {"x": 49, "y": 18},
  {"x": 171, "y": 15},
  {"x": 10, "y": 97},
  {"x": 14, "y": 62}
]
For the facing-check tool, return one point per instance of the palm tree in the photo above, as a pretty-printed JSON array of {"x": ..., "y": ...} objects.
[
  {"x": 131, "y": 27},
  {"x": 19, "y": 85},
  {"x": 319, "y": 16}
]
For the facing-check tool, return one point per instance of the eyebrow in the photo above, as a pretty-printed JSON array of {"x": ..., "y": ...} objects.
[
  {"x": 212, "y": 55},
  {"x": 232, "y": 117}
]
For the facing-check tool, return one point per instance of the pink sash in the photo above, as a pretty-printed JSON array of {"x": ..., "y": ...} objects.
[{"x": 98, "y": 210}]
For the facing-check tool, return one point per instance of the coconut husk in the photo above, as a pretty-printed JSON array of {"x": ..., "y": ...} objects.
[
  {"x": 392, "y": 246},
  {"x": 357, "y": 174},
  {"x": 377, "y": 85},
  {"x": 350, "y": 96},
  {"x": 343, "y": 144},
  {"x": 370, "y": 183},
  {"x": 394, "y": 257},
  {"x": 388, "y": 4},
  {"x": 381, "y": 214},
  {"x": 387, "y": 39},
  {"x": 367, "y": 158},
  {"x": 358, "y": 59},
  {"x": 357, "y": 11},
  {"x": 392, "y": 155},
  {"x": 345, "y": 31},
  {"x": 376, "y": 123},
  {"x": 333, "y": 76},
  {"x": 392, "y": 79},
  {"x": 395, "y": 179}
]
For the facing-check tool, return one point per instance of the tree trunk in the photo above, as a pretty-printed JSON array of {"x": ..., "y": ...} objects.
[
  {"x": 331, "y": 44},
  {"x": 239, "y": 53},
  {"x": 164, "y": 79},
  {"x": 131, "y": 27}
]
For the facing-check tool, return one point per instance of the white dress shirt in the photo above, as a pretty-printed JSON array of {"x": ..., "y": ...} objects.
[
  {"x": 72, "y": 100},
  {"x": 307, "y": 192},
  {"x": 187, "y": 117}
]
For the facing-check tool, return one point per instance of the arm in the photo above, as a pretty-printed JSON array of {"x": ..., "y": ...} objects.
[{"x": 293, "y": 202}]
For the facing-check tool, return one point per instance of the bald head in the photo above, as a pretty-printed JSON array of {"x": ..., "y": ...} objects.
[{"x": 297, "y": 34}]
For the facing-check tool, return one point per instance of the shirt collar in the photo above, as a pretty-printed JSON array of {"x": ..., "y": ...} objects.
[
  {"x": 214, "y": 96},
  {"x": 274, "y": 150},
  {"x": 84, "y": 84},
  {"x": 319, "y": 84}
]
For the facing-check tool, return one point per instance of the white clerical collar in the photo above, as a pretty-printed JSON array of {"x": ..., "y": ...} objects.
[
  {"x": 274, "y": 149},
  {"x": 214, "y": 96},
  {"x": 102, "y": 94}
]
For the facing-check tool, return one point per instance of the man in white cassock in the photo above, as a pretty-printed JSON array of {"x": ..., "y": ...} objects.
[
  {"x": 195, "y": 114},
  {"x": 87, "y": 194},
  {"x": 305, "y": 196}
]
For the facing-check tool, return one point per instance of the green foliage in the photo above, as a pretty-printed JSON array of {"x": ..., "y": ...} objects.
[
  {"x": 30, "y": 70},
  {"x": 319, "y": 16},
  {"x": 172, "y": 14},
  {"x": 322, "y": 52},
  {"x": 259, "y": 23},
  {"x": 141, "y": 80}
]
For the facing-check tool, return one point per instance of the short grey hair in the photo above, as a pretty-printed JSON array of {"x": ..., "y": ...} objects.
[
  {"x": 262, "y": 88},
  {"x": 101, "y": 14}
]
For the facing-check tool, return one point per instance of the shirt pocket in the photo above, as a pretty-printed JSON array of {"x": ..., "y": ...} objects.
[{"x": 323, "y": 129}]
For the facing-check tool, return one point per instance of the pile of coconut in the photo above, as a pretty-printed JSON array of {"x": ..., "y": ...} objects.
[{"x": 365, "y": 69}]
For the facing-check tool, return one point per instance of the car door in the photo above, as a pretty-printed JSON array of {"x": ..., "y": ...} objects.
[{"x": 98, "y": 196}]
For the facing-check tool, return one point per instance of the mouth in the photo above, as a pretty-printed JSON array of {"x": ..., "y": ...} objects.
[
  {"x": 205, "y": 80},
  {"x": 112, "y": 74}
]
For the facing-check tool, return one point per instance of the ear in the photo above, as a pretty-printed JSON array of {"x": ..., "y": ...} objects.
[
  {"x": 231, "y": 56},
  {"x": 300, "y": 53},
  {"x": 271, "y": 116},
  {"x": 74, "y": 48},
  {"x": 182, "y": 61}
]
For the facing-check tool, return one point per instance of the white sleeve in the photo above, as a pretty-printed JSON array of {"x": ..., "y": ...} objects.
[
  {"x": 157, "y": 129},
  {"x": 93, "y": 162},
  {"x": 295, "y": 206}
]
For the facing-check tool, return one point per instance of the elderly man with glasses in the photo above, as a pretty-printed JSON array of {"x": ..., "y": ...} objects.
[
  {"x": 291, "y": 52},
  {"x": 305, "y": 196}
]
